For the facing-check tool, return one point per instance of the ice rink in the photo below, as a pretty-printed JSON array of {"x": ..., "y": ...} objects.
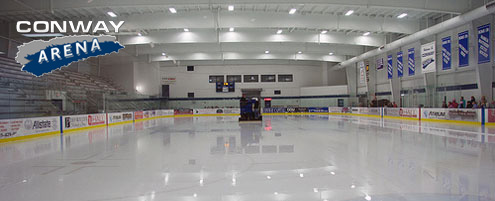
[{"x": 284, "y": 158}]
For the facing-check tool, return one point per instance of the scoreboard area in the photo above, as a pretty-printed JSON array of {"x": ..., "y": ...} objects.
[{"x": 225, "y": 87}]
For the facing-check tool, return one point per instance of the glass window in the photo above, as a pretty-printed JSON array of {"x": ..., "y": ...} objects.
[
  {"x": 277, "y": 92},
  {"x": 190, "y": 95},
  {"x": 216, "y": 78},
  {"x": 234, "y": 78},
  {"x": 267, "y": 78},
  {"x": 251, "y": 78},
  {"x": 284, "y": 78}
]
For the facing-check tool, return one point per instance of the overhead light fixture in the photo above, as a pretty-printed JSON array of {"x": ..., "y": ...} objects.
[
  {"x": 231, "y": 7},
  {"x": 140, "y": 34},
  {"x": 279, "y": 31},
  {"x": 186, "y": 29},
  {"x": 275, "y": 193},
  {"x": 301, "y": 175},
  {"x": 172, "y": 10},
  {"x": 231, "y": 29},
  {"x": 268, "y": 177},
  {"x": 402, "y": 15},
  {"x": 331, "y": 53},
  {"x": 315, "y": 190},
  {"x": 324, "y": 31},
  {"x": 195, "y": 195},
  {"x": 163, "y": 53},
  {"x": 111, "y": 14},
  {"x": 41, "y": 35},
  {"x": 292, "y": 11},
  {"x": 350, "y": 12},
  {"x": 367, "y": 33},
  {"x": 267, "y": 52},
  {"x": 300, "y": 53},
  {"x": 2, "y": 52}
]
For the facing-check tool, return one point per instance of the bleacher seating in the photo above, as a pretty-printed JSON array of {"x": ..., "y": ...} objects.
[{"x": 24, "y": 95}]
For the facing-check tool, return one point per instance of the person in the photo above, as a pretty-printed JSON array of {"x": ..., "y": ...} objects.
[
  {"x": 395, "y": 104},
  {"x": 444, "y": 105},
  {"x": 449, "y": 105},
  {"x": 462, "y": 102},
  {"x": 469, "y": 104},
  {"x": 475, "y": 105},
  {"x": 454, "y": 104},
  {"x": 483, "y": 102},
  {"x": 492, "y": 104},
  {"x": 473, "y": 99}
]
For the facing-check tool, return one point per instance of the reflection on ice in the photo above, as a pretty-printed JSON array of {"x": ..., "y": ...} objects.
[{"x": 282, "y": 158}]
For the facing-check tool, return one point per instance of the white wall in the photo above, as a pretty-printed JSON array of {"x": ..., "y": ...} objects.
[
  {"x": 197, "y": 81},
  {"x": 120, "y": 69},
  {"x": 147, "y": 78}
]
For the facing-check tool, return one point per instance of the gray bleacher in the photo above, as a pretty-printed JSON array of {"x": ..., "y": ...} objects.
[{"x": 24, "y": 95}]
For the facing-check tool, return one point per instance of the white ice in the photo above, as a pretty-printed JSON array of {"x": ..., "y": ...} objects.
[{"x": 284, "y": 158}]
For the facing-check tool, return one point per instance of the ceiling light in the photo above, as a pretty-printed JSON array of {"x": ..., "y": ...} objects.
[
  {"x": 172, "y": 10},
  {"x": 333, "y": 173},
  {"x": 231, "y": 7},
  {"x": 40, "y": 35},
  {"x": 292, "y": 11},
  {"x": 275, "y": 193},
  {"x": 300, "y": 53},
  {"x": 268, "y": 177},
  {"x": 402, "y": 15},
  {"x": 267, "y": 52},
  {"x": 367, "y": 197},
  {"x": 231, "y": 29},
  {"x": 353, "y": 186},
  {"x": 186, "y": 29},
  {"x": 331, "y": 53},
  {"x": 367, "y": 33},
  {"x": 315, "y": 190},
  {"x": 279, "y": 31},
  {"x": 163, "y": 54},
  {"x": 349, "y": 12},
  {"x": 111, "y": 14},
  {"x": 324, "y": 31},
  {"x": 301, "y": 175},
  {"x": 195, "y": 195},
  {"x": 2, "y": 52},
  {"x": 140, "y": 34}
]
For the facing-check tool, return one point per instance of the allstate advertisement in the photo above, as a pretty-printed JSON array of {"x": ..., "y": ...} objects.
[
  {"x": 400, "y": 64},
  {"x": 22, "y": 127},
  {"x": 484, "y": 44},
  {"x": 463, "y": 49},
  {"x": 390, "y": 69},
  {"x": 446, "y": 53},
  {"x": 428, "y": 62},
  {"x": 410, "y": 61}
]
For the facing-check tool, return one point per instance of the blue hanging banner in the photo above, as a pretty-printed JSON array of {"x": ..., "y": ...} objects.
[
  {"x": 390, "y": 69},
  {"x": 484, "y": 44},
  {"x": 400, "y": 65},
  {"x": 463, "y": 49},
  {"x": 446, "y": 53},
  {"x": 410, "y": 61}
]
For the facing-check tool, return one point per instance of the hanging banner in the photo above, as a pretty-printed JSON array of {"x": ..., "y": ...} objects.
[
  {"x": 361, "y": 72},
  {"x": 410, "y": 61},
  {"x": 390, "y": 69},
  {"x": 463, "y": 49},
  {"x": 379, "y": 64},
  {"x": 400, "y": 65},
  {"x": 446, "y": 53},
  {"x": 428, "y": 62},
  {"x": 484, "y": 44}
]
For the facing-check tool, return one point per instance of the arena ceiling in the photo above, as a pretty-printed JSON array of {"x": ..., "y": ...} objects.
[{"x": 206, "y": 30}]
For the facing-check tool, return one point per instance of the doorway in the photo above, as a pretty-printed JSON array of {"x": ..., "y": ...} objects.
[{"x": 166, "y": 91}]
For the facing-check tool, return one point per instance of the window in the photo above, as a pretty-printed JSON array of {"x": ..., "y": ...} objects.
[
  {"x": 216, "y": 78},
  {"x": 251, "y": 78},
  {"x": 234, "y": 78},
  {"x": 284, "y": 78},
  {"x": 190, "y": 95},
  {"x": 190, "y": 68},
  {"x": 277, "y": 92},
  {"x": 267, "y": 78}
]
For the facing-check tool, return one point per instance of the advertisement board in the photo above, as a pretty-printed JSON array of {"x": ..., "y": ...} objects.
[
  {"x": 369, "y": 111},
  {"x": 274, "y": 110},
  {"x": 167, "y": 112},
  {"x": 10, "y": 128},
  {"x": 75, "y": 121},
  {"x": 472, "y": 115},
  {"x": 318, "y": 109},
  {"x": 339, "y": 110},
  {"x": 138, "y": 115},
  {"x": 117, "y": 117},
  {"x": 401, "y": 112},
  {"x": 183, "y": 111}
]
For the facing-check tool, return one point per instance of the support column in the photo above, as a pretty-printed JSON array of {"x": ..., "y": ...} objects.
[{"x": 352, "y": 79}]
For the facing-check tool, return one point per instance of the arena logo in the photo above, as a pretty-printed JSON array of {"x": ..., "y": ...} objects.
[{"x": 39, "y": 57}]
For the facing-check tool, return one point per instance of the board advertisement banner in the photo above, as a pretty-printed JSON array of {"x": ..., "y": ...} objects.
[
  {"x": 410, "y": 61},
  {"x": 274, "y": 110},
  {"x": 117, "y": 117},
  {"x": 390, "y": 68},
  {"x": 97, "y": 119},
  {"x": 400, "y": 64},
  {"x": 339, "y": 110},
  {"x": 473, "y": 115},
  {"x": 394, "y": 112},
  {"x": 463, "y": 48},
  {"x": 428, "y": 60},
  {"x": 167, "y": 112},
  {"x": 10, "y": 128},
  {"x": 183, "y": 111},
  {"x": 446, "y": 53},
  {"x": 433, "y": 113},
  {"x": 409, "y": 112},
  {"x": 318, "y": 109},
  {"x": 138, "y": 115},
  {"x": 369, "y": 111},
  {"x": 484, "y": 44}
]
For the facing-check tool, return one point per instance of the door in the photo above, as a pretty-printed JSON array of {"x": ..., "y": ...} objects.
[{"x": 165, "y": 91}]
